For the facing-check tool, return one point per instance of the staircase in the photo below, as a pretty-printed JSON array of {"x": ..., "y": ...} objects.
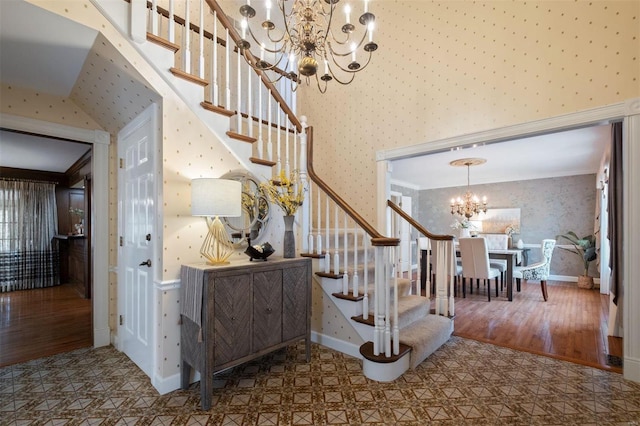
[{"x": 362, "y": 305}]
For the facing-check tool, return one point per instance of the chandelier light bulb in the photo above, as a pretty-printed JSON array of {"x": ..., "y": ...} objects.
[{"x": 347, "y": 12}]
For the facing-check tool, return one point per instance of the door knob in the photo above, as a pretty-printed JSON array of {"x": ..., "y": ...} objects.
[
  {"x": 146, "y": 262},
  {"x": 148, "y": 237}
]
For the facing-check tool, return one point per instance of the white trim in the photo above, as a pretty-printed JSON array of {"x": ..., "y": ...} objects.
[
  {"x": 404, "y": 184},
  {"x": 167, "y": 285},
  {"x": 600, "y": 115},
  {"x": 627, "y": 111},
  {"x": 387, "y": 371},
  {"x": 165, "y": 385},
  {"x": 570, "y": 278},
  {"x": 100, "y": 200},
  {"x": 336, "y": 344}
]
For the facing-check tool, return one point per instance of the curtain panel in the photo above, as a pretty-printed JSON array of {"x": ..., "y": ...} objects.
[{"x": 28, "y": 222}]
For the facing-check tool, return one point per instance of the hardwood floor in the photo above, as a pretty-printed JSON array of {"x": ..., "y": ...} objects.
[
  {"x": 571, "y": 325},
  {"x": 43, "y": 322}
]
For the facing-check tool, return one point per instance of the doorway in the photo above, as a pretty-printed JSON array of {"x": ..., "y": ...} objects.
[
  {"x": 98, "y": 211},
  {"x": 628, "y": 113}
]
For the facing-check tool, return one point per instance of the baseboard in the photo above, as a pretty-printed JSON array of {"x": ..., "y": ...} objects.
[
  {"x": 165, "y": 385},
  {"x": 631, "y": 369},
  {"x": 101, "y": 337},
  {"x": 571, "y": 279},
  {"x": 336, "y": 344}
]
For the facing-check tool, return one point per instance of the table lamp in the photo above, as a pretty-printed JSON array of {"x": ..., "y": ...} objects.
[{"x": 212, "y": 198}]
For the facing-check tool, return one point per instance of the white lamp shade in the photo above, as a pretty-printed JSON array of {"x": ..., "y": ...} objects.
[{"x": 216, "y": 197}]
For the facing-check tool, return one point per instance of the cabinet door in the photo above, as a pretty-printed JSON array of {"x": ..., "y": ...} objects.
[
  {"x": 295, "y": 290},
  {"x": 232, "y": 318},
  {"x": 267, "y": 309}
]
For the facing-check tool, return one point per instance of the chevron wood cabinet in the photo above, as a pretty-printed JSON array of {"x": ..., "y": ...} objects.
[{"x": 248, "y": 310}]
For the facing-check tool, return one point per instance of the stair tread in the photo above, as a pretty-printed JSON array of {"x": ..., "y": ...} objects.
[{"x": 425, "y": 335}]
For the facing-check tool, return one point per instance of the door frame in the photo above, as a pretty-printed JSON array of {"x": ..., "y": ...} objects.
[
  {"x": 100, "y": 141},
  {"x": 629, "y": 113}
]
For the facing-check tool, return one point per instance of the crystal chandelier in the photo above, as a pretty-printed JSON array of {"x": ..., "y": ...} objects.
[
  {"x": 469, "y": 204},
  {"x": 310, "y": 41}
]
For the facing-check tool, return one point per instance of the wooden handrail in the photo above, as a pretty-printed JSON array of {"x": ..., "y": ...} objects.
[
  {"x": 377, "y": 239},
  {"x": 416, "y": 225},
  {"x": 224, "y": 20}
]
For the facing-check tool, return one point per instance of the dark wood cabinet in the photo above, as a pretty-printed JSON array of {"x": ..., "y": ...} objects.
[{"x": 248, "y": 309}]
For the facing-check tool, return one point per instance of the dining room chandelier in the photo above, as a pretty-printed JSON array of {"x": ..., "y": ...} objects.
[
  {"x": 469, "y": 204},
  {"x": 304, "y": 39}
]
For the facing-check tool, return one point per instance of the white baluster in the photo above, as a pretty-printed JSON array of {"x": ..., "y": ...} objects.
[
  {"x": 297, "y": 165},
  {"x": 269, "y": 129},
  {"x": 326, "y": 236},
  {"x": 154, "y": 17},
  {"x": 345, "y": 277},
  {"x": 318, "y": 226},
  {"x": 187, "y": 39},
  {"x": 227, "y": 74},
  {"x": 451, "y": 308},
  {"x": 365, "y": 262},
  {"x": 388, "y": 259},
  {"x": 172, "y": 23},
  {"x": 396, "y": 330},
  {"x": 355, "y": 283},
  {"x": 260, "y": 115},
  {"x": 287, "y": 166},
  {"x": 201, "y": 39},
  {"x": 239, "y": 94},
  {"x": 214, "y": 62},
  {"x": 278, "y": 148},
  {"x": 249, "y": 101},
  {"x": 310, "y": 244},
  {"x": 336, "y": 245}
]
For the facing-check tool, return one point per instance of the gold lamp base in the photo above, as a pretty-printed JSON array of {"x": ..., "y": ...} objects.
[{"x": 217, "y": 246}]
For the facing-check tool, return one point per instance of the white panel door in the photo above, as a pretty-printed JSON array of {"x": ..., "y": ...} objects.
[{"x": 136, "y": 196}]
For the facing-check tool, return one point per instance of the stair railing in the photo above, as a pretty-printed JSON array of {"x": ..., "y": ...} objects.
[
  {"x": 340, "y": 237},
  {"x": 342, "y": 228},
  {"x": 207, "y": 53},
  {"x": 444, "y": 268}
]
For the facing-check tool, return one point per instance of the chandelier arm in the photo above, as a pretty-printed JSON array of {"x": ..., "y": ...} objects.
[
  {"x": 344, "y": 83},
  {"x": 364, "y": 36},
  {"x": 323, "y": 91},
  {"x": 348, "y": 70},
  {"x": 259, "y": 43}
]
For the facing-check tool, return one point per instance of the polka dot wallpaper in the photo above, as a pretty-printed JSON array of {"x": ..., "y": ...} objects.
[{"x": 450, "y": 68}]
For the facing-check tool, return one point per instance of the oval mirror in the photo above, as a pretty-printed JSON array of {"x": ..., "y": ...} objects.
[{"x": 250, "y": 225}]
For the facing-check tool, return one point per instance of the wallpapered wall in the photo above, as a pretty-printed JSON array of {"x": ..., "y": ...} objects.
[
  {"x": 449, "y": 68},
  {"x": 548, "y": 207}
]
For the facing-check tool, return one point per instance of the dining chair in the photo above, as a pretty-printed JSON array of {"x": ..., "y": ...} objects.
[
  {"x": 498, "y": 242},
  {"x": 539, "y": 270},
  {"x": 475, "y": 264}
]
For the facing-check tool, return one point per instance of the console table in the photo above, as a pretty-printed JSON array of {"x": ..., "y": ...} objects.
[{"x": 234, "y": 313}]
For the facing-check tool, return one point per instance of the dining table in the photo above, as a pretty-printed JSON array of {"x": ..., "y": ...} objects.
[{"x": 513, "y": 256}]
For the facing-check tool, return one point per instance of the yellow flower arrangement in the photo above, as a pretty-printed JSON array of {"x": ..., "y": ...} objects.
[{"x": 286, "y": 192}]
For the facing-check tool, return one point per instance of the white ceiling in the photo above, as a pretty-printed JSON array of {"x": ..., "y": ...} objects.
[
  {"x": 569, "y": 153},
  {"x": 58, "y": 48}
]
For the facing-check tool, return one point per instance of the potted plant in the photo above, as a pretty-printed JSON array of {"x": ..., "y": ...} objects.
[{"x": 584, "y": 247}]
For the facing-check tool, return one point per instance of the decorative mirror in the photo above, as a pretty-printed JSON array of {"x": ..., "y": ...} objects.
[{"x": 250, "y": 225}]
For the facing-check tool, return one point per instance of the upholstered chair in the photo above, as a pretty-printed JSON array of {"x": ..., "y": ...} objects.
[
  {"x": 537, "y": 271},
  {"x": 475, "y": 264},
  {"x": 497, "y": 242}
]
